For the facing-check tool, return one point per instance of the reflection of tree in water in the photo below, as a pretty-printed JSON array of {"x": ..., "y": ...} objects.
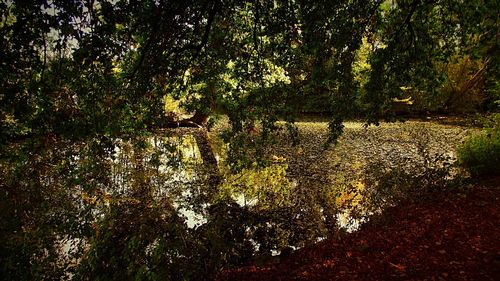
[
  {"x": 153, "y": 205},
  {"x": 165, "y": 205},
  {"x": 149, "y": 223}
]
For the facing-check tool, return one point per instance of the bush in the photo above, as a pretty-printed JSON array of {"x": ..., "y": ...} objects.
[{"x": 480, "y": 154}]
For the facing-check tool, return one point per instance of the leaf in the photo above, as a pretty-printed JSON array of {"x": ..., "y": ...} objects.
[{"x": 399, "y": 267}]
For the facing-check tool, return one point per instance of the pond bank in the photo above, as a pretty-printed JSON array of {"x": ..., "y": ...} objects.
[{"x": 452, "y": 237}]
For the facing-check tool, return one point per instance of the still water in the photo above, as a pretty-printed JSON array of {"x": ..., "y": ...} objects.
[{"x": 167, "y": 204}]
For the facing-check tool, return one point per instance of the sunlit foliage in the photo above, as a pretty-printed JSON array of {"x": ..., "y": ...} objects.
[{"x": 92, "y": 187}]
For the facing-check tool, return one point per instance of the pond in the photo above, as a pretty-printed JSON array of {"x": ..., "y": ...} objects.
[{"x": 167, "y": 206}]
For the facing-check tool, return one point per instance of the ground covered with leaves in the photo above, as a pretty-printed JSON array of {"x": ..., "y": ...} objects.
[{"x": 454, "y": 236}]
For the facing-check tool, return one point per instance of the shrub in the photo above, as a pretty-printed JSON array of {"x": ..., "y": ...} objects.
[{"x": 480, "y": 153}]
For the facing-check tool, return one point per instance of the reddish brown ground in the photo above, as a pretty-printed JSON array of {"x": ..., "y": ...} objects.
[{"x": 452, "y": 237}]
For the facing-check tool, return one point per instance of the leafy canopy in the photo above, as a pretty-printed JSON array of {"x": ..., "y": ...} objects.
[{"x": 78, "y": 68}]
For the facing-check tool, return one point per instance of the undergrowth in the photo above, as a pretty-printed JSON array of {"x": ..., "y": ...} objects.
[{"x": 480, "y": 153}]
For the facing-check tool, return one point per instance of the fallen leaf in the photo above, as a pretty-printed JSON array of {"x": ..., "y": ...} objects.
[{"x": 398, "y": 266}]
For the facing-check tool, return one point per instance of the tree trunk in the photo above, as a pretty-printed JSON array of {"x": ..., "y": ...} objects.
[
  {"x": 208, "y": 157},
  {"x": 199, "y": 118}
]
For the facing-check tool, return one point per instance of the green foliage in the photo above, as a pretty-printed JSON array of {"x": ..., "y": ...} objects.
[
  {"x": 106, "y": 67},
  {"x": 480, "y": 153},
  {"x": 133, "y": 242},
  {"x": 81, "y": 82},
  {"x": 39, "y": 212},
  {"x": 414, "y": 50}
]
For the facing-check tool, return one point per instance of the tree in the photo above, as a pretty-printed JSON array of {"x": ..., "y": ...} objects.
[
  {"x": 411, "y": 38},
  {"x": 111, "y": 60},
  {"x": 96, "y": 72}
]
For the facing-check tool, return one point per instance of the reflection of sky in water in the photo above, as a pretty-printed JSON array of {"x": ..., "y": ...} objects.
[
  {"x": 186, "y": 155},
  {"x": 116, "y": 190},
  {"x": 349, "y": 223},
  {"x": 189, "y": 160},
  {"x": 173, "y": 168},
  {"x": 193, "y": 219}
]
